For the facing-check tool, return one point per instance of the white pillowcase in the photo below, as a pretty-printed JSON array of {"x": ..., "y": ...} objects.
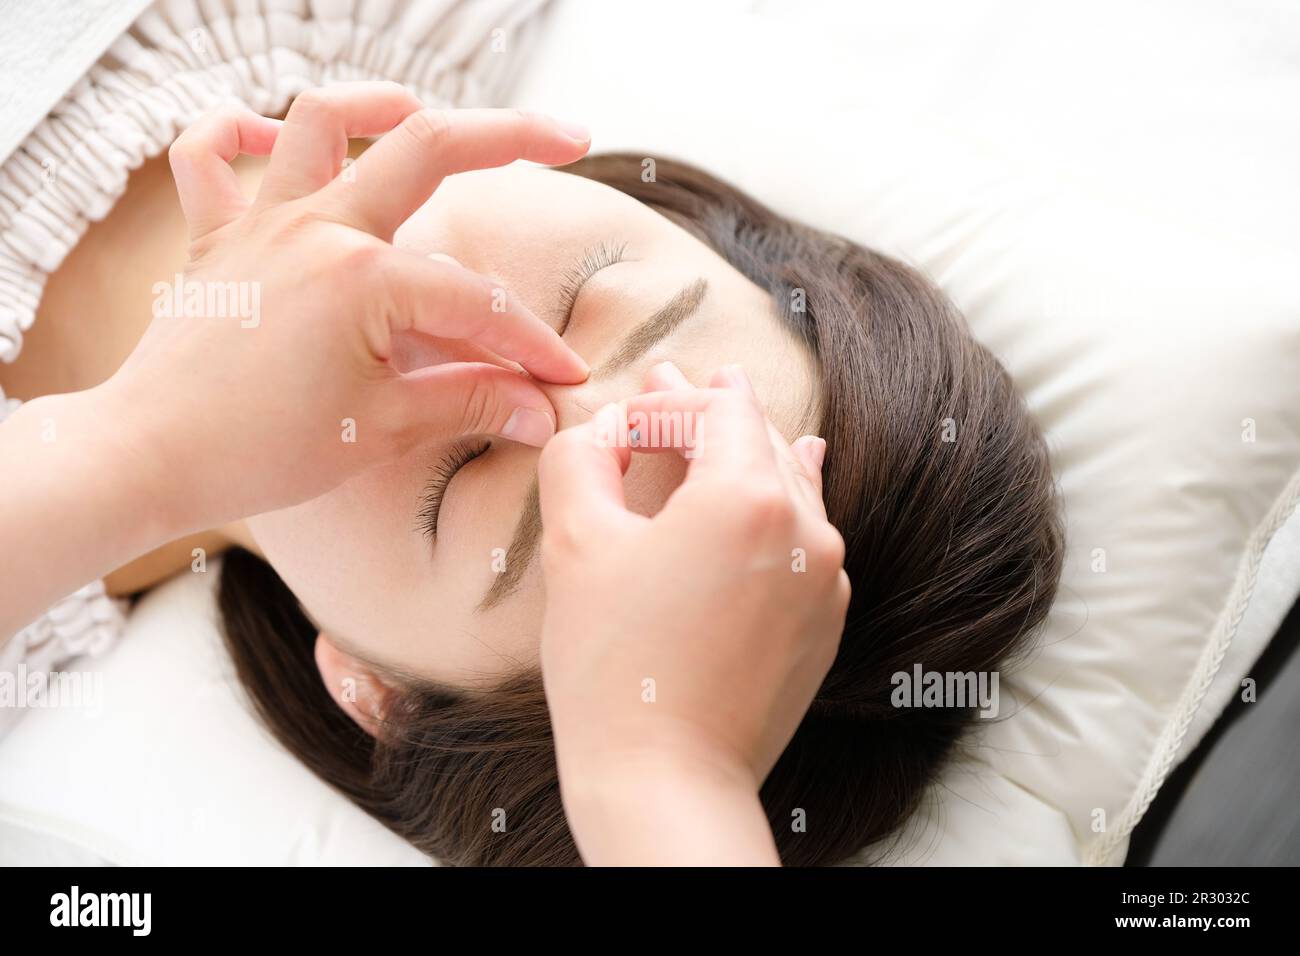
[
  {"x": 168, "y": 766},
  {"x": 1109, "y": 198}
]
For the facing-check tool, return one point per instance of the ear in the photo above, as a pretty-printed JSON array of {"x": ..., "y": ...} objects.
[{"x": 353, "y": 685}]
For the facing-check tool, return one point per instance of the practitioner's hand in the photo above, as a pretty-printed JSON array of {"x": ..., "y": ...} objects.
[
  {"x": 275, "y": 385},
  {"x": 680, "y": 652}
]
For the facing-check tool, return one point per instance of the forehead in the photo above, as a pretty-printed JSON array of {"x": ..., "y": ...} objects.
[{"x": 510, "y": 208}]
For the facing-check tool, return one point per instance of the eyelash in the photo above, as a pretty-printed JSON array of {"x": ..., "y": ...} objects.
[
  {"x": 443, "y": 472},
  {"x": 600, "y": 256}
]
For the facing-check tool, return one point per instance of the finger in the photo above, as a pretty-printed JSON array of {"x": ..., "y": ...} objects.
[
  {"x": 446, "y": 300},
  {"x": 314, "y": 141},
  {"x": 200, "y": 160},
  {"x": 790, "y": 468},
  {"x": 797, "y": 480},
  {"x": 410, "y": 351},
  {"x": 396, "y": 175},
  {"x": 810, "y": 451},
  {"x": 723, "y": 431},
  {"x": 665, "y": 377},
  {"x": 797, "y": 477},
  {"x": 470, "y": 398},
  {"x": 580, "y": 476}
]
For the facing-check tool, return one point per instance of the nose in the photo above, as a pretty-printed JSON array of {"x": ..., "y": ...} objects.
[{"x": 575, "y": 404}]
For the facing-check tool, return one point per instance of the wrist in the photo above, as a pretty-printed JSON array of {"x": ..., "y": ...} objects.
[
  {"x": 80, "y": 501},
  {"x": 657, "y": 807},
  {"x": 605, "y": 770},
  {"x": 139, "y": 472}
]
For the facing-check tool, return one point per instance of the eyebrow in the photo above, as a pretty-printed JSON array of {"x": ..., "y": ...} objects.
[
  {"x": 528, "y": 530},
  {"x": 655, "y": 329}
]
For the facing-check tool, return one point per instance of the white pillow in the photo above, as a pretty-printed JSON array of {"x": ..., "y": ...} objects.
[
  {"x": 167, "y": 764},
  {"x": 1111, "y": 201}
]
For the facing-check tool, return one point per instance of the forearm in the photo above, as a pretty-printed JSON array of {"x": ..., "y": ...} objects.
[
  {"x": 666, "y": 813},
  {"x": 83, "y": 494}
]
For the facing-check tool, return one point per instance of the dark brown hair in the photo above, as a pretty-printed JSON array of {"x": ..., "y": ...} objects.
[{"x": 936, "y": 477}]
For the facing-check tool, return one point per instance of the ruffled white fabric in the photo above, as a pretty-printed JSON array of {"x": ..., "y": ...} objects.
[
  {"x": 182, "y": 58},
  {"x": 179, "y": 59},
  {"x": 83, "y": 624}
]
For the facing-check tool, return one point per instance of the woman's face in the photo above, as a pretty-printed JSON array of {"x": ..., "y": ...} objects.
[{"x": 463, "y": 606}]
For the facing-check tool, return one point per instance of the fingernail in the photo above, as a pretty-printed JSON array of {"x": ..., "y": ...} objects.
[
  {"x": 575, "y": 131},
  {"x": 529, "y": 426},
  {"x": 738, "y": 379},
  {"x": 817, "y": 450}
]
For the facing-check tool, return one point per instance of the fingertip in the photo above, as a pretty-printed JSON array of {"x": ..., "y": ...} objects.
[
  {"x": 563, "y": 366},
  {"x": 665, "y": 377},
  {"x": 811, "y": 451},
  {"x": 733, "y": 376},
  {"x": 572, "y": 371},
  {"x": 817, "y": 449}
]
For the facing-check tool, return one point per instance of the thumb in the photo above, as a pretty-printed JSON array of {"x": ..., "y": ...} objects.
[{"x": 471, "y": 398}]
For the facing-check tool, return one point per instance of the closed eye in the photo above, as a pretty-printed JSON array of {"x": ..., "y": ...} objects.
[
  {"x": 443, "y": 471},
  {"x": 597, "y": 257}
]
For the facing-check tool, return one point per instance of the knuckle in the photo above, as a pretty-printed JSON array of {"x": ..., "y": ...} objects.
[
  {"x": 561, "y": 541},
  {"x": 828, "y": 546},
  {"x": 427, "y": 130},
  {"x": 479, "y": 411},
  {"x": 311, "y": 105},
  {"x": 527, "y": 120},
  {"x": 366, "y": 258},
  {"x": 760, "y": 510},
  {"x": 201, "y": 248}
]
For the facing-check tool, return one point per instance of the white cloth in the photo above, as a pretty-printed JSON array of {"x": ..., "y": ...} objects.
[{"x": 178, "y": 59}]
